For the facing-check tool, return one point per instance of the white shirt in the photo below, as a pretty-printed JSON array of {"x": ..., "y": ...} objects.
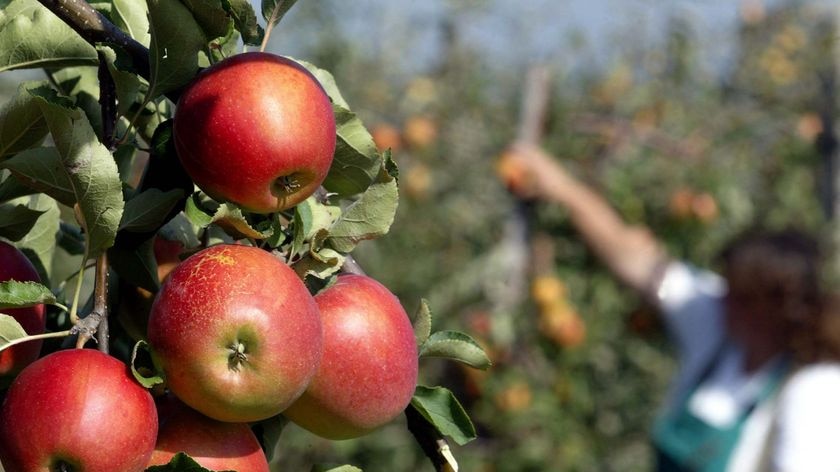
[{"x": 800, "y": 427}]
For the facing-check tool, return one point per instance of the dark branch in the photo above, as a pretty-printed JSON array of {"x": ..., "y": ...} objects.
[
  {"x": 96, "y": 29},
  {"x": 100, "y": 303},
  {"x": 107, "y": 102}
]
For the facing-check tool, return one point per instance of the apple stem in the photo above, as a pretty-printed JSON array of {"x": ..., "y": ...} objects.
[
  {"x": 35, "y": 337},
  {"x": 237, "y": 356}
]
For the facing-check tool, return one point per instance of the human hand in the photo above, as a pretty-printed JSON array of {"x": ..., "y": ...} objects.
[{"x": 530, "y": 172}]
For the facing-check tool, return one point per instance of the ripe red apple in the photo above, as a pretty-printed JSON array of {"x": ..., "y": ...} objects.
[
  {"x": 369, "y": 370},
  {"x": 214, "y": 445},
  {"x": 256, "y": 129},
  {"x": 80, "y": 408},
  {"x": 236, "y": 332},
  {"x": 15, "y": 266}
]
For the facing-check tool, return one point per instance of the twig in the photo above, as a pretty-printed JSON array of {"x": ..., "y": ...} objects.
[
  {"x": 433, "y": 444},
  {"x": 107, "y": 102},
  {"x": 100, "y": 303},
  {"x": 95, "y": 28},
  {"x": 350, "y": 266}
]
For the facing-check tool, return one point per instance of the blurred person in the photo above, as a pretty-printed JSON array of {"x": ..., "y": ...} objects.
[{"x": 758, "y": 385}]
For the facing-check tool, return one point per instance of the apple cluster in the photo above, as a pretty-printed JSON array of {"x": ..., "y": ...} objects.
[{"x": 235, "y": 333}]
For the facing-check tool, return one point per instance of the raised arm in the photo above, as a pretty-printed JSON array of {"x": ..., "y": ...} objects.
[{"x": 632, "y": 253}]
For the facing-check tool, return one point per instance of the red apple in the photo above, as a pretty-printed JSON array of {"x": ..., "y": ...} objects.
[
  {"x": 214, "y": 445},
  {"x": 369, "y": 370},
  {"x": 257, "y": 130},
  {"x": 236, "y": 333},
  {"x": 15, "y": 266},
  {"x": 80, "y": 408}
]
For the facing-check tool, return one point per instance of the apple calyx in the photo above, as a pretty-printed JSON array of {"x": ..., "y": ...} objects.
[
  {"x": 62, "y": 466},
  {"x": 237, "y": 356}
]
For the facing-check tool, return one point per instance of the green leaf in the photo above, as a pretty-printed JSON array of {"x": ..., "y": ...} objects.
[
  {"x": 456, "y": 346},
  {"x": 176, "y": 41},
  {"x": 135, "y": 260},
  {"x": 32, "y": 37},
  {"x": 311, "y": 216},
  {"x": 341, "y": 468},
  {"x": 43, "y": 170},
  {"x": 368, "y": 217},
  {"x": 17, "y": 221},
  {"x": 180, "y": 229},
  {"x": 181, "y": 462},
  {"x": 10, "y": 330},
  {"x": 211, "y": 16},
  {"x": 271, "y": 431},
  {"x": 147, "y": 210},
  {"x": 197, "y": 212},
  {"x": 14, "y": 294},
  {"x": 356, "y": 162},
  {"x": 320, "y": 264},
  {"x": 39, "y": 244},
  {"x": 132, "y": 17},
  {"x": 90, "y": 168},
  {"x": 146, "y": 380},
  {"x": 274, "y": 10},
  {"x": 71, "y": 239},
  {"x": 233, "y": 222},
  {"x": 11, "y": 188},
  {"x": 443, "y": 411},
  {"x": 127, "y": 83},
  {"x": 245, "y": 20},
  {"x": 422, "y": 322},
  {"x": 22, "y": 124}
]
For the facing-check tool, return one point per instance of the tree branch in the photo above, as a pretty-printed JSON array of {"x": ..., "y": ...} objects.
[
  {"x": 95, "y": 29},
  {"x": 433, "y": 444}
]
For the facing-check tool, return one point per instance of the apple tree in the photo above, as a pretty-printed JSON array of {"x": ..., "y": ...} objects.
[{"x": 157, "y": 134}]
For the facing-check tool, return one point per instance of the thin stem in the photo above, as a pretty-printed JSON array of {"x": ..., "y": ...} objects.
[
  {"x": 74, "y": 310},
  {"x": 100, "y": 301},
  {"x": 272, "y": 21},
  {"x": 35, "y": 337}
]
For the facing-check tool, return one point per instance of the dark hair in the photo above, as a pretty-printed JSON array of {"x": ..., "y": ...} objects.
[{"x": 784, "y": 268}]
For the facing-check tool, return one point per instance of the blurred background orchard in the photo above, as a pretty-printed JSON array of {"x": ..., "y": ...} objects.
[{"x": 697, "y": 118}]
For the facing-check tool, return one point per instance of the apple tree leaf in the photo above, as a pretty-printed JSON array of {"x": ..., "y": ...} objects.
[
  {"x": 269, "y": 434},
  {"x": 33, "y": 37},
  {"x": 90, "y": 168},
  {"x": 181, "y": 462},
  {"x": 14, "y": 294},
  {"x": 245, "y": 20},
  {"x": 197, "y": 212},
  {"x": 310, "y": 217},
  {"x": 42, "y": 170},
  {"x": 368, "y": 217},
  {"x": 147, "y": 210},
  {"x": 211, "y": 16},
  {"x": 17, "y": 221},
  {"x": 456, "y": 346},
  {"x": 356, "y": 162},
  {"x": 321, "y": 264},
  {"x": 11, "y": 188},
  {"x": 341, "y": 468},
  {"x": 22, "y": 124},
  {"x": 135, "y": 260},
  {"x": 231, "y": 219},
  {"x": 133, "y": 18},
  {"x": 443, "y": 411},
  {"x": 422, "y": 322},
  {"x": 10, "y": 330},
  {"x": 176, "y": 41},
  {"x": 274, "y": 10},
  {"x": 144, "y": 375},
  {"x": 39, "y": 244}
]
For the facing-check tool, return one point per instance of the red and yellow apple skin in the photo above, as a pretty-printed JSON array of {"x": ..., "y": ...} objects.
[
  {"x": 214, "y": 445},
  {"x": 369, "y": 369},
  {"x": 79, "y": 407},
  {"x": 257, "y": 130},
  {"x": 236, "y": 333},
  {"x": 15, "y": 266}
]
